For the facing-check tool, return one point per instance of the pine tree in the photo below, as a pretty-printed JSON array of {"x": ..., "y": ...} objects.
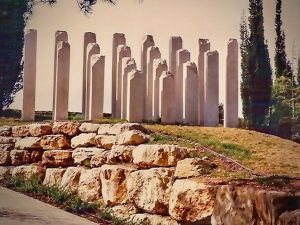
[{"x": 259, "y": 68}]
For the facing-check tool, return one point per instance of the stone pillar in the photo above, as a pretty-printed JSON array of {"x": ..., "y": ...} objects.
[
  {"x": 152, "y": 54},
  {"x": 167, "y": 97},
  {"x": 118, "y": 39},
  {"x": 232, "y": 84},
  {"x": 182, "y": 56},
  {"x": 175, "y": 44},
  {"x": 97, "y": 87},
  {"x": 190, "y": 93},
  {"x": 204, "y": 45},
  {"x": 123, "y": 51},
  {"x": 91, "y": 49},
  {"x": 88, "y": 38},
  {"x": 147, "y": 43},
  {"x": 62, "y": 82},
  {"x": 211, "y": 91},
  {"x": 135, "y": 98},
  {"x": 128, "y": 64},
  {"x": 59, "y": 36},
  {"x": 29, "y": 77},
  {"x": 159, "y": 66}
]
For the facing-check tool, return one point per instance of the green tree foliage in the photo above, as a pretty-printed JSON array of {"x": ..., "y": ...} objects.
[
  {"x": 13, "y": 17},
  {"x": 256, "y": 85}
]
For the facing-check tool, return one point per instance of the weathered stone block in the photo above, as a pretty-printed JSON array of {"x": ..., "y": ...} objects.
[
  {"x": 124, "y": 211},
  {"x": 89, "y": 188},
  {"x": 27, "y": 172},
  {"x": 192, "y": 167},
  {"x": 67, "y": 128},
  {"x": 57, "y": 158},
  {"x": 82, "y": 156},
  {"x": 105, "y": 141},
  {"x": 53, "y": 176},
  {"x": 5, "y": 131},
  {"x": 192, "y": 200},
  {"x": 99, "y": 159},
  {"x": 28, "y": 143},
  {"x": 20, "y": 157},
  {"x": 158, "y": 155},
  {"x": 132, "y": 137},
  {"x": 153, "y": 219},
  {"x": 150, "y": 189},
  {"x": 4, "y": 173},
  {"x": 89, "y": 127},
  {"x": 70, "y": 179},
  {"x": 4, "y": 158},
  {"x": 8, "y": 140},
  {"x": 113, "y": 179},
  {"x": 20, "y": 131},
  {"x": 83, "y": 140},
  {"x": 104, "y": 129},
  {"x": 6, "y": 147},
  {"x": 37, "y": 130},
  {"x": 120, "y": 154},
  {"x": 122, "y": 127},
  {"x": 55, "y": 142}
]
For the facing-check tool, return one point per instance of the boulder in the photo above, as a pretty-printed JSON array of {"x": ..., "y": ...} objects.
[
  {"x": 249, "y": 205},
  {"x": 158, "y": 155},
  {"x": 6, "y": 147},
  {"x": 54, "y": 176},
  {"x": 28, "y": 143},
  {"x": 153, "y": 219},
  {"x": 70, "y": 179},
  {"x": 40, "y": 129},
  {"x": 105, "y": 141},
  {"x": 20, "y": 157},
  {"x": 20, "y": 131},
  {"x": 132, "y": 137},
  {"x": 8, "y": 140},
  {"x": 150, "y": 189},
  {"x": 83, "y": 140},
  {"x": 51, "y": 142},
  {"x": 89, "y": 127},
  {"x": 28, "y": 172},
  {"x": 5, "y": 131},
  {"x": 120, "y": 154},
  {"x": 5, "y": 158},
  {"x": 192, "y": 200},
  {"x": 89, "y": 188},
  {"x": 122, "y": 127},
  {"x": 104, "y": 129},
  {"x": 67, "y": 128},
  {"x": 113, "y": 180},
  {"x": 58, "y": 158},
  {"x": 82, "y": 156},
  {"x": 36, "y": 156},
  {"x": 99, "y": 159},
  {"x": 192, "y": 167},
  {"x": 124, "y": 211},
  {"x": 4, "y": 173}
]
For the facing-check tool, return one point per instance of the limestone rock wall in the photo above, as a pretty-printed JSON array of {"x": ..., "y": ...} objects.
[{"x": 116, "y": 166}]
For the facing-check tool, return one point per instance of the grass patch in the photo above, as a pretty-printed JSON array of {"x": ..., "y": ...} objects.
[{"x": 157, "y": 138}]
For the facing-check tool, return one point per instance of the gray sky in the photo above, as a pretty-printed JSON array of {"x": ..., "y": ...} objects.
[{"x": 217, "y": 20}]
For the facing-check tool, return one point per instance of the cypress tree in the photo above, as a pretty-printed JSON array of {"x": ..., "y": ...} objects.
[{"x": 259, "y": 68}]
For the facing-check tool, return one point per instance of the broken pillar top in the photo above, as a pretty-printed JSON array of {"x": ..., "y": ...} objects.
[
  {"x": 93, "y": 47},
  {"x": 160, "y": 62},
  {"x": 61, "y": 34},
  {"x": 148, "y": 38},
  {"x": 192, "y": 66},
  {"x": 62, "y": 44},
  {"x": 128, "y": 61},
  {"x": 203, "y": 41}
]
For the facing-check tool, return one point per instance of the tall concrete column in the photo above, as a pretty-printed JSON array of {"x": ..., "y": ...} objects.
[
  {"x": 123, "y": 51},
  {"x": 159, "y": 66},
  {"x": 146, "y": 43},
  {"x": 29, "y": 77},
  {"x": 62, "y": 82},
  {"x": 166, "y": 98},
  {"x": 232, "y": 84},
  {"x": 135, "y": 98},
  {"x": 59, "y": 36},
  {"x": 97, "y": 87},
  {"x": 91, "y": 49},
  {"x": 211, "y": 92},
  {"x": 175, "y": 44},
  {"x": 128, "y": 64},
  {"x": 118, "y": 39},
  {"x": 152, "y": 54},
  {"x": 88, "y": 38},
  {"x": 204, "y": 45},
  {"x": 182, "y": 56},
  {"x": 190, "y": 93}
]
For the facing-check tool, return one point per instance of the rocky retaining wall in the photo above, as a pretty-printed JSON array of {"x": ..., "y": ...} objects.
[{"x": 159, "y": 184}]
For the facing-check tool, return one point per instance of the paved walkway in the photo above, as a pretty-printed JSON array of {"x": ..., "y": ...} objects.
[{"x": 18, "y": 209}]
